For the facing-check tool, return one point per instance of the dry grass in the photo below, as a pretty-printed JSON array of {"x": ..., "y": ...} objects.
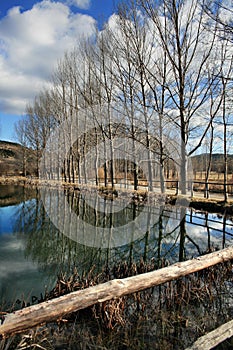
[
  {"x": 161, "y": 318},
  {"x": 214, "y": 176}
]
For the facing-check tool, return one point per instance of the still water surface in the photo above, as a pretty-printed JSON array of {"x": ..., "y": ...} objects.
[{"x": 33, "y": 251}]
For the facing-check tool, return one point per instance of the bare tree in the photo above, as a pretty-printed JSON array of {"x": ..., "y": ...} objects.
[
  {"x": 224, "y": 117},
  {"x": 20, "y": 133},
  {"x": 130, "y": 54},
  {"x": 155, "y": 61},
  {"x": 37, "y": 125},
  {"x": 221, "y": 12},
  {"x": 179, "y": 26}
]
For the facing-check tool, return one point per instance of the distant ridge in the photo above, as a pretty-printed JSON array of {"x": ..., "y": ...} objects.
[
  {"x": 16, "y": 160},
  {"x": 9, "y": 142}
]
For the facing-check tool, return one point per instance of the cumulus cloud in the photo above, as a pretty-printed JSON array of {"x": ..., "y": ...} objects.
[{"x": 31, "y": 42}]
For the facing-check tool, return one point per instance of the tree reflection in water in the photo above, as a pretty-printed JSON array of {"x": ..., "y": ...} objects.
[{"x": 165, "y": 237}]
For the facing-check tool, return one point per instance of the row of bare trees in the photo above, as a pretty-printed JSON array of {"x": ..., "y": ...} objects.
[{"x": 162, "y": 73}]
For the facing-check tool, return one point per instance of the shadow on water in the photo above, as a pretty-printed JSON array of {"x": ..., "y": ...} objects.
[{"x": 36, "y": 252}]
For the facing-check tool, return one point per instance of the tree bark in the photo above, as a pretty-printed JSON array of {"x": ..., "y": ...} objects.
[{"x": 55, "y": 309}]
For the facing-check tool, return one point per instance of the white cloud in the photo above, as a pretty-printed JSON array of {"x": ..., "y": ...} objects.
[
  {"x": 31, "y": 43},
  {"x": 82, "y": 4}
]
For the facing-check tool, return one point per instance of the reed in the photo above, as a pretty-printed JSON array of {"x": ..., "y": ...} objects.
[{"x": 177, "y": 312}]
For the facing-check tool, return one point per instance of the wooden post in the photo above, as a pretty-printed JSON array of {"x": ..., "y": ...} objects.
[
  {"x": 177, "y": 187},
  {"x": 55, "y": 309}
]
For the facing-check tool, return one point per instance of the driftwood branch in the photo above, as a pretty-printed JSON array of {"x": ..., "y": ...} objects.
[
  {"x": 55, "y": 309},
  {"x": 212, "y": 339}
]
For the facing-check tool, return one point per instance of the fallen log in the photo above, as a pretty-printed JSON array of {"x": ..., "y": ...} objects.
[
  {"x": 212, "y": 339},
  {"x": 55, "y": 309}
]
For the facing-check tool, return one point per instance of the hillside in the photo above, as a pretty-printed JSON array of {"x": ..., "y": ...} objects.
[
  {"x": 16, "y": 159},
  {"x": 199, "y": 162}
]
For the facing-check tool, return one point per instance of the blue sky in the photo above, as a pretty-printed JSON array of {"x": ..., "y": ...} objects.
[{"x": 33, "y": 36}]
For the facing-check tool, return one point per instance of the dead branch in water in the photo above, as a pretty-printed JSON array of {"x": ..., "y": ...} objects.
[{"x": 212, "y": 339}]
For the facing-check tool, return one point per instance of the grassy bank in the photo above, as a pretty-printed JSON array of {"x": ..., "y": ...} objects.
[{"x": 211, "y": 205}]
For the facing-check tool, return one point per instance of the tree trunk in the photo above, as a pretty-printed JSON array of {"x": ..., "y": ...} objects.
[
  {"x": 225, "y": 144},
  {"x": 208, "y": 165}
]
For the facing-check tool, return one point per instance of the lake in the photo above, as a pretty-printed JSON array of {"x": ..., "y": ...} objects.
[
  {"x": 46, "y": 233},
  {"x": 33, "y": 251}
]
